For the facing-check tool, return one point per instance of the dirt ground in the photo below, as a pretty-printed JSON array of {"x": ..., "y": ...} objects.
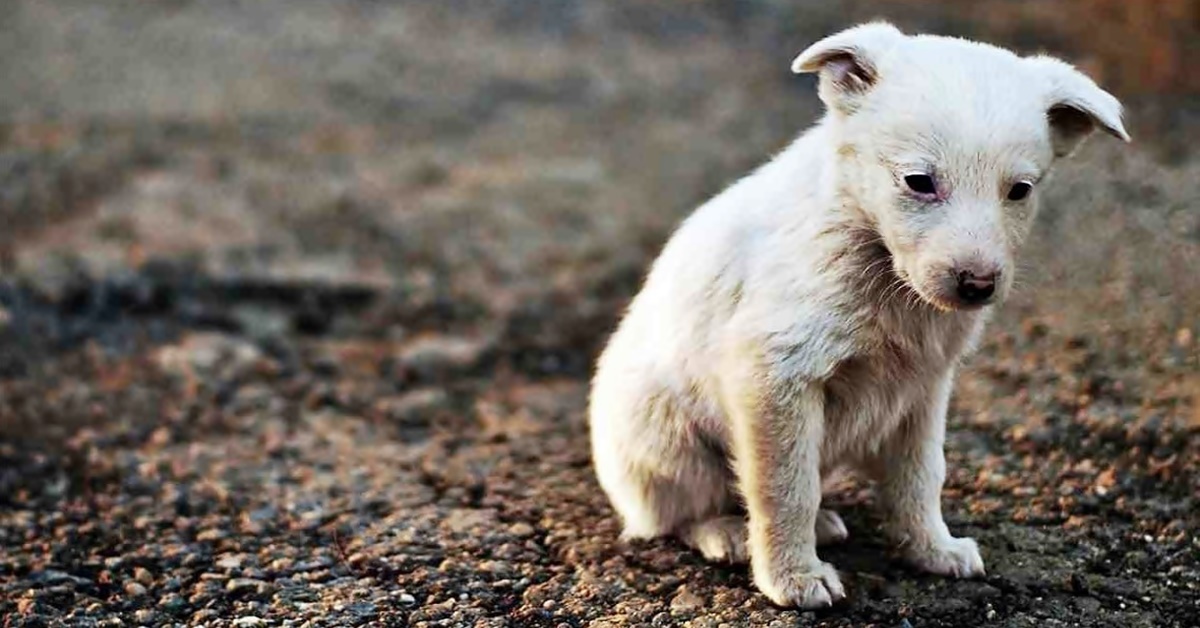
[{"x": 299, "y": 301}]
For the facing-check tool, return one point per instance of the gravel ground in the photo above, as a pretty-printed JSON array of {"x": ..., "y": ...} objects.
[
  {"x": 440, "y": 476},
  {"x": 300, "y": 333}
]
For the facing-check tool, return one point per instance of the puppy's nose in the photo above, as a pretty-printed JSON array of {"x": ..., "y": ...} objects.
[{"x": 975, "y": 289}]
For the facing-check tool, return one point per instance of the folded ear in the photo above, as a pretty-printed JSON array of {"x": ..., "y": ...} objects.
[
  {"x": 1076, "y": 106},
  {"x": 848, "y": 62}
]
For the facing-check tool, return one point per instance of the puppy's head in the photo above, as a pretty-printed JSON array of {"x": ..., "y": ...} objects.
[{"x": 942, "y": 144}]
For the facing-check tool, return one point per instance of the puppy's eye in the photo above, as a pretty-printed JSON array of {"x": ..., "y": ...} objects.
[
  {"x": 1020, "y": 190},
  {"x": 920, "y": 183}
]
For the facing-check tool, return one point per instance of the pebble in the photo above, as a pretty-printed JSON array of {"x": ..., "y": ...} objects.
[
  {"x": 407, "y": 599},
  {"x": 55, "y": 577},
  {"x": 248, "y": 621},
  {"x": 27, "y": 606},
  {"x": 143, "y": 575},
  {"x": 134, "y": 589},
  {"x": 243, "y": 584},
  {"x": 212, "y": 534},
  {"x": 172, "y": 602},
  {"x": 686, "y": 601},
  {"x": 229, "y": 561},
  {"x": 437, "y": 356},
  {"x": 312, "y": 565},
  {"x": 521, "y": 529},
  {"x": 204, "y": 615}
]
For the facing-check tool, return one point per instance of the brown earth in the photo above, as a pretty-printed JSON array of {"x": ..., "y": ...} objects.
[{"x": 299, "y": 302}]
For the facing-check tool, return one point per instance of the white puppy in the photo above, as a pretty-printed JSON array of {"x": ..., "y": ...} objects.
[{"x": 811, "y": 316}]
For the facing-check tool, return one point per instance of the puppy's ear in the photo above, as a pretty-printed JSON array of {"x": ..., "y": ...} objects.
[
  {"x": 1076, "y": 106},
  {"x": 848, "y": 62}
]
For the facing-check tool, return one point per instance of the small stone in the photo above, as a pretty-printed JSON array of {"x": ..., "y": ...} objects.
[
  {"x": 204, "y": 615},
  {"x": 312, "y": 565},
  {"x": 206, "y": 351},
  {"x": 416, "y": 406},
  {"x": 521, "y": 529},
  {"x": 211, "y": 534},
  {"x": 143, "y": 575},
  {"x": 229, "y": 561},
  {"x": 434, "y": 357},
  {"x": 495, "y": 567},
  {"x": 134, "y": 589},
  {"x": 172, "y": 602},
  {"x": 145, "y": 616},
  {"x": 467, "y": 520},
  {"x": 686, "y": 601},
  {"x": 53, "y": 577},
  {"x": 238, "y": 585},
  {"x": 407, "y": 599},
  {"x": 977, "y": 590},
  {"x": 257, "y": 574},
  {"x": 248, "y": 621}
]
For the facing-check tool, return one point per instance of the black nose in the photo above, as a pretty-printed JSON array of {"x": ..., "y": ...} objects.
[{"x": 976, "y": 289}]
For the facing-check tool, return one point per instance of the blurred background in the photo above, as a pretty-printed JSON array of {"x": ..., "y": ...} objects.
[
  {"x": 221, "y": 217},
  {"x": 490, "y": 149}
]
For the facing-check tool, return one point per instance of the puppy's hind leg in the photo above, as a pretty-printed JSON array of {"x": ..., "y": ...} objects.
[
  {"x": 829, "y": 528},
  {"x": 683, "y": 487},
  {"x": 658, "y": 474},
  {"x": 720, "y": 539}
]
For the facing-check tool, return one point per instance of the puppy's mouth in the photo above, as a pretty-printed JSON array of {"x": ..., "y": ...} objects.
[
  {"x": 942, "y": 301},
  {"x": 948, "y": 305}
]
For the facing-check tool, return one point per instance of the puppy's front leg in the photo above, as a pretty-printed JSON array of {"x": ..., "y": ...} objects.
[
  {"x": 910, "y": 470},
  {"x": 777, "y": 427}
]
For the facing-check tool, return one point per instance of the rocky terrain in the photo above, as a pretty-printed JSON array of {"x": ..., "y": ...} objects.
[{"x": 299, "y": 302}]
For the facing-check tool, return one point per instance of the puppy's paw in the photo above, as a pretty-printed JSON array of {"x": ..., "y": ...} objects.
[
  {"x": 720, "y": 539},
  {"x": 830, "y": 528},
  {"x": 957, "y": 557},
  {"x": 816, "y": 586}
]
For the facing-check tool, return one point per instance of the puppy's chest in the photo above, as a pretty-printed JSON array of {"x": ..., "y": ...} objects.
[{"x": 893, "y": 374}]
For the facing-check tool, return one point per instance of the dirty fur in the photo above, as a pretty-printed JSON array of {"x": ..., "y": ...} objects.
[{"x": 810, "y": 318}]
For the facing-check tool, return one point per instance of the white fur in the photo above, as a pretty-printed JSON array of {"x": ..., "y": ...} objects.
[{"x": 805, "y": 319}]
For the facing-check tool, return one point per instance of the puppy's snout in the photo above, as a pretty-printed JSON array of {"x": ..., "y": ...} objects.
[{"x": 976, "y": 288}]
